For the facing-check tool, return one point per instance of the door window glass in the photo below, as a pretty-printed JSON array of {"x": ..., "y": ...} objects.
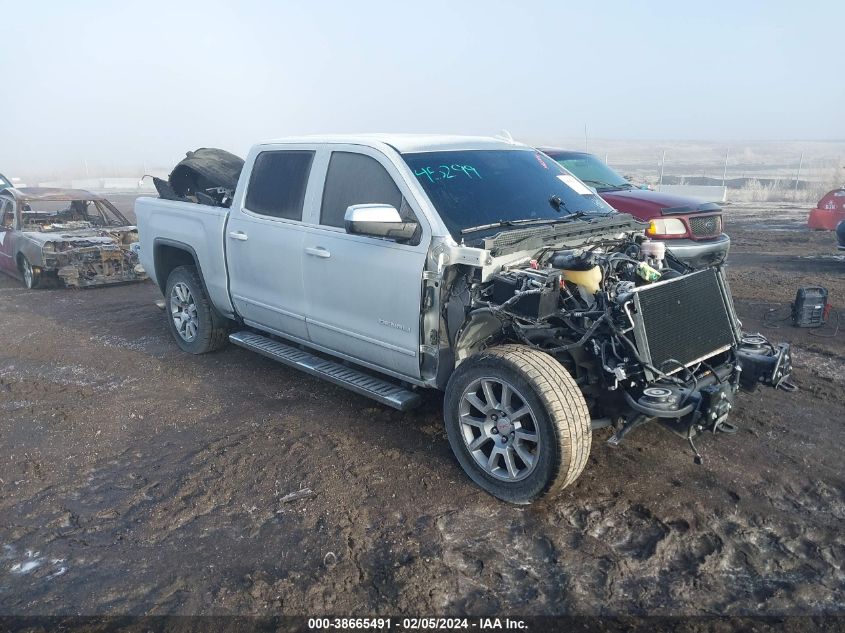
[
  {"x": 356, "y": 179},
  {"x": 277, "y": 183}
]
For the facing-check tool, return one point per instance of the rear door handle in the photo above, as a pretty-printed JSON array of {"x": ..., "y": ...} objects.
[
  {"x": 239, "y": 235},
  {"x": 318, "y": 251}
]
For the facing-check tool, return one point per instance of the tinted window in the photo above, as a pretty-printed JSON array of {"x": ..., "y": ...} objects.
[
  {"x": 277, "y": 184},
  {"x": 355, "y": 179},
  {"x": 472, "y": 188}
]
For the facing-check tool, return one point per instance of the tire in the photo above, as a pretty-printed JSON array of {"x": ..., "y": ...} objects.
[
  {"x": 557, "y": 418},
  {"x": 31, "y": 277},
  {"x": 201, "y": 328}
]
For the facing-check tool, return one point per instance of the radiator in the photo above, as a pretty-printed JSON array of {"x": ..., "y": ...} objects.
[{"x": 683, "y": 321}]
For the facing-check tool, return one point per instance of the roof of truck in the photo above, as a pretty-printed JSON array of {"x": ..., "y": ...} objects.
[{"x": 408, "y": 143}]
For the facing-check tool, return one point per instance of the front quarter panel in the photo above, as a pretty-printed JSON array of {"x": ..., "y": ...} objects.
[{"x": 29, "y": 248}]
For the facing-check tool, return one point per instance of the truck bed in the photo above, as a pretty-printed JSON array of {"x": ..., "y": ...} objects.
[{"x": 165, "y": 225}]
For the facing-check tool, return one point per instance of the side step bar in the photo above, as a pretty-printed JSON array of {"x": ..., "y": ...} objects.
[{"x": 355, "y": 380}]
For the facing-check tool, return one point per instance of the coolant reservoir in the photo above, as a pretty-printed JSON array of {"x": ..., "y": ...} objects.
[
  {"x": 653, "y": 250},
  {"x": 589, "y": 279}
]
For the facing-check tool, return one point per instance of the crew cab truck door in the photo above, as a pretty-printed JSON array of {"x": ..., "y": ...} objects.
[
  {"x": 263, "y": 239},
  {"x": 364, "y": 293}
]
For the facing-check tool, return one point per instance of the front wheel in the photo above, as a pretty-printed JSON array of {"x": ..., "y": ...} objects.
[
  {"x": 517, "y": 423},
  {"x": 31, "y": 276},
  {"x": 194, "y": 323}
]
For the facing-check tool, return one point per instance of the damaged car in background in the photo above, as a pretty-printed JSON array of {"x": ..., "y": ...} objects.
[{"x": 69, "y": 237}]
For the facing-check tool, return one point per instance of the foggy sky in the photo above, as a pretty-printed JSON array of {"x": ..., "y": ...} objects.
[{"x": 116, "y": 83}]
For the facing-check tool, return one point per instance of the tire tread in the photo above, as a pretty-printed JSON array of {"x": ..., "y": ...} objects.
[
  {"x": 218, "y": 335},
  {"x": 564, "y": 404}
]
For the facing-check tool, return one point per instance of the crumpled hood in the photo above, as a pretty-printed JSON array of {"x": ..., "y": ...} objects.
[{"x": 80, "y": 237}]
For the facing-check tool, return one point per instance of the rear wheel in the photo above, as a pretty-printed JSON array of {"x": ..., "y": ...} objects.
[
  {"x": 194, "y": 323},
  {"x": 31, "y": 276},
  {"x": 517, "y": 423}
]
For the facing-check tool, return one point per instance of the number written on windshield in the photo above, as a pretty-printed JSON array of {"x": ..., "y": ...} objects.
[{"x": 447, "y": 172}]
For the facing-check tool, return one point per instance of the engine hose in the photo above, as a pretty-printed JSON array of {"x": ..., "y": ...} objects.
[
  {"x": 639, "y": 358},
  {"x": 520, "y": 294},
  {"x": 580, "y": 341}
]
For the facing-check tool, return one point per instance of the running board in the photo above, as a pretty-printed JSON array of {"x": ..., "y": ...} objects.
[{"x": 355, "y": 380}]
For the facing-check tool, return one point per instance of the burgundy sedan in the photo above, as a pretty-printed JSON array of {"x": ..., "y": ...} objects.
[{"x": 691, "y": 228}]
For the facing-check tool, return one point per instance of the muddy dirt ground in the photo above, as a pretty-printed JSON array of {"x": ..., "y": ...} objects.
[{"x": 135, "y": 479}]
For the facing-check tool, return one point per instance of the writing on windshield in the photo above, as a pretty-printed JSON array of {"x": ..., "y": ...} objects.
[
  {"x": 476, "y": 188},
  {"x": 447, "y": 172}
]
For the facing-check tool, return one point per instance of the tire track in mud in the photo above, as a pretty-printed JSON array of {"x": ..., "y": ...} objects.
[{"x": 610, "y": 556}]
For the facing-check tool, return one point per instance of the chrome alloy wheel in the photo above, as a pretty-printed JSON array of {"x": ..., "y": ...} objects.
[
  {"x": 183, "y": 310},
  {"x": 499, "y": 429}
]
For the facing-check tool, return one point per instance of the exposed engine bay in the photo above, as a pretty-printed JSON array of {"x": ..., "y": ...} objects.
[
  {"x": 70, "y": 237},
  {"x": 645, "y": 337},
  {"x": 95, "y": 258}
]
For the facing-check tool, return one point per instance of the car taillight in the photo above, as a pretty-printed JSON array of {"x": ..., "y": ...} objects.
[{"x": 666, "y": 226}]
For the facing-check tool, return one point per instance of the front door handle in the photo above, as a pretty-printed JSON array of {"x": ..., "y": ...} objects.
[
  {"x": 318, "y": 251},
  {"x": 239, "y": 235}
]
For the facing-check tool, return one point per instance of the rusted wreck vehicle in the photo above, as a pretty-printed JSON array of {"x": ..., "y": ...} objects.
[{"x": 68, "y": 237}]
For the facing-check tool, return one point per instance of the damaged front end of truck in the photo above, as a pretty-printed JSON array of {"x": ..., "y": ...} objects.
[{"x": 646, "y": 338}]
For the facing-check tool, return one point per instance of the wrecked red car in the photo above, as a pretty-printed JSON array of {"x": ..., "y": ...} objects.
[
  {"x": 829, "y": 211},
  {"x": 68, "y": 237}
]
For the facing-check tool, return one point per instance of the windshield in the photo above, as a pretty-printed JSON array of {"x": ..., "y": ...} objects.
[
  {"x": 4, "y": 183},
  {"x": 594, "y": 172},
  {"x": 474, "y": 188},
  {"x": 67, "y": 215}
]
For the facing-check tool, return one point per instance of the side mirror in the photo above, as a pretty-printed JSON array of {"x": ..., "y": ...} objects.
[{"x": 378, "y": 220}]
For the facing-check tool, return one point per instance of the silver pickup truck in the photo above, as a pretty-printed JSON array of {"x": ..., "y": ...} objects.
[{"x": 476, "y": 266}]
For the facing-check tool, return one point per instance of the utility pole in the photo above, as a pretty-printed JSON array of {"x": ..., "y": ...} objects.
[
  {"x": 798, "y": 173},
  {"x": 662, "y": 163},
  {"x": 725, "y": 172}
]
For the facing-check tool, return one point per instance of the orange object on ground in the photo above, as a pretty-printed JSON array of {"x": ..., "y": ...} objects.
[{"x": 829, "y": 212}]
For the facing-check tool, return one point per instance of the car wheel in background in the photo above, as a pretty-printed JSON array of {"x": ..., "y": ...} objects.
[{"x": 31, "y": 276}]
